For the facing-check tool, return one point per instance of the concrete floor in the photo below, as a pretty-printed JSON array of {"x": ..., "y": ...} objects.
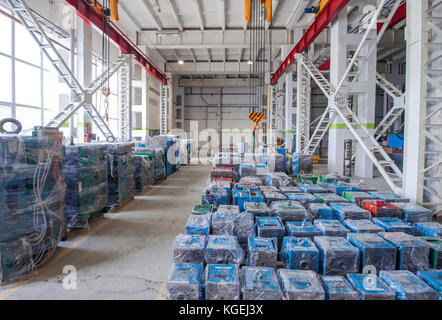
[{"x": 126, "y": 255}]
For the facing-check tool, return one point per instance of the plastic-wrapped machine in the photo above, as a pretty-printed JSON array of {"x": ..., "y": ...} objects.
[
  {"x": 299, "y": 254},
  {"x": 336, "y": 255},
  {"x": 311, "y": 188},
  {"x": 433, "y": 278},
  {"x": 362, "y": 226},
  {"x": 85, "y": 172},
  {"x": 260, "y": 283},
  {"x": 374, "y": 251},
  {"x": 307, "y": 178},
  {"x": 302, "y": 230},
  {"x": 302, "y": 163},
  {"x": 240, "y": 198},
  {"x": 143, "y": 172},
  {"x": 408, "y": 286},
  {"x": 198, "y": 224},
  {"x": 159, "y": 161},
  {"x": 222, "y": 223},
  {"x": 244, "y": 228},
  {"x": 429, "y": 229},
  {"x": 217, "y": 193},
  {"x": 270, "y": 196},
  {"x": 258, "y": 209},
  {"x": 300, "y": 284},
  {"x": 228, "y": 209},
  {"x": 279, "y": 179},
  {"x": 342, "y": 211},
  {"x": 357, "y": 196},
  {"x": 388, "y": 196},
  {"x": 120, "y": 173},
  {"x": 412, "y": 253},
  {"x": 337, "y": 288},
  {"x": 221, "y": 282},
  {"x": 32, "y": 193},
  {"x": 222, "y": 172},
  {"x": 268, "y": 188},
  {"x": 394, "y": 225},
  {"x": 270, "y": 227},
  {"x": 275, "y": 161},
  {"x": 254, "y": 180},
  {"x": 226, "y": 159},
  {"x": 202, "y": 209},
  {"x": 185, "y": 282},
  {"x": 321, "y": 211},
  {"x": 223, "y": 250},
  {"x": 304, "y": 198},
  {"x": 336, "y": 187},
  {"x": 289, "y": 189},
  {"x": 189, "y": 248},
  {"x": 435, "y": 245},
  {"x": 262, "y": 252},
  {"x": 413, "y": 212},
  {"x": 252, "y": 157},
  {"x": 362, "y": 187},
  {"x": 331, "y": 228},
  {"x": 381, "y": 209},
  {"x": 249, "y": 169},
  {"x": 370, "y": 287},
  {"x": 288, "y": 210},
  {"x": 333, "y": 177},
  {"x": 329, "y": 198}
]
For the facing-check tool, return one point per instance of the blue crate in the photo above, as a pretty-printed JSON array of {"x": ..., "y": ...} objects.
[
  {"x": 185, "y": 282},
  {"x": 394, "y": 225},
  {"x": 370, "y": 287},
  {"x": 311, "y": 188},
  {"x": 223, "y": 250},
  {"x": 304, "y": 198},
  {"x": 244, "y": 228},
  {"x": 412, "y": 252},
  {"x": 288, "y": 210},
  {"x": 342, "y": 211},
  {"x": 240, "y": 197},
  {"x": 408, "y": 286},
  {"x": 362, "y": 226},
  {"x": 260, "y": 283},
  {"x": 198, "y": 224},
  {"x": 413, "y": 212},
  {"x": 331, "y": 228},
  {"x": 433, "y": 278},
  {"x": 299, "y": 254},
  {"x": 337, "y": 288},
  {"x": 189, "y": 248},
  {"x": 221, "y": 282},
  {"x": 262, "y": 252},
  {"x": 388, "y": 196},
  {"x": 374, "y": 251},
  {"x": 321, "y": 211},
  {"x": 300, "y": 285},
  {"x": 336, "y": 255},
  {"x": 430, "y": 229},
  {"x": 302, "y": 230},
  {"x": 258, "y": 209},
  {"x": 336, "y": 187},
  {"x": 223, "y": 223},
  {"x": 270, "y": 227}
]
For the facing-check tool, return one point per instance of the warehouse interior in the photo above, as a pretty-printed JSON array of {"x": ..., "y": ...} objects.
[{"x": 221, "y": 150}]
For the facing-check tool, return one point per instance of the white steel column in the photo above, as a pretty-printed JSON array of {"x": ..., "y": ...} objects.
[
  {"x": 289, "y": 111},
  {"x": 423, "y": 136},
  {"x": 125, "y": 99},
  {"x": 302, "y": 106}
]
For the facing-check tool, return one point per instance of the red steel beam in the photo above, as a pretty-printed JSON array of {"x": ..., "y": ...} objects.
[
  {"x": 331, "y": 10},
  {"x": 88, "y": 14},
  {"x": 398, "y": 16}
]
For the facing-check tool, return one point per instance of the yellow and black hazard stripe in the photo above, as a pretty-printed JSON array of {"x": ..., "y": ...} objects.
[{"x": 256, "y": 116}]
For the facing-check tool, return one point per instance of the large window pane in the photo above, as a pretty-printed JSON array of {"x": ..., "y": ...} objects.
[
  {"x": 5, "y": 27},
  {"x": 51, "y": 91},
  {"x": 5, "y": 79},
  {"x": 27, "y": 84},
  {"x": 25, "y": 47},
  {"x": 28, "y": 117}
]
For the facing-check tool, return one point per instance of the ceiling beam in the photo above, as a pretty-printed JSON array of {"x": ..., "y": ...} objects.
[
  {"x": 275, "y": 4},
  {"x": 297, "y": 13},
  {"x": 223, "y": 14},
  {"x": 192, "y": 55},
  {"x": 176, "y": 14},
  {"x": 200, "y": 13},
  {"x": 148, "y": 6}
]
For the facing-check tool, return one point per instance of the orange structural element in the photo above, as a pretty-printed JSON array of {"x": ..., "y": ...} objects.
[
  {"x": 114, "y": 10},
  {"x": 247, "y": 10},
  {"x": 268, "y": 10}
]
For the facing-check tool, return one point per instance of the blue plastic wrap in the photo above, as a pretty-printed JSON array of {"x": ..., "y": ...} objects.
[
  {"x": 336, "y": 187},
  {"x": 300, "y": 285},
  {"x": 185, "y": 282},
  {"x": 321, "y": 211},
  {"x": 244, "y": 228},
  {"x": 337, "y": 288},
  {"x": 374, "y": 251},
  {"x": 388, "y": 196},
  {"x": 336, "y": 255},
  {"x": 278, "y": 179},
  {"x": 408, "y": 286},
  {"x": 262, "y": 252},
  {"x": 433, "y": 278},
  {"x": 394, "y": 225},
  {"x": 311, "y": 188},
  {"x": 331, "y": 228},
  {"x": 413, "y": 212},
  {"x": 221, "y": 282},
  {"x": 270, "y": 227},
  {"x": 288, "y": 210},
  {"x": 223, "y": 223},
  {"x": 342, "y": 211},
  {"x": 270, "y": 196},
  {"x": 302, "y": 163},
  {"x": 299, "y": 254},
  {"x": 362, "y": 226},
  {"x": 430, "y": 229},
  {"x": 302, "y": 230},
  {"x": 198, "y": 224},
  {"x": 304, "y": 198},
  {"x": 240, "y": 197},
  {"x": 370, "y": 287},
  {"x": 189, "y": 248},
  {"x": 412, "y": 252},
  {"x": 260, "y": 283},
  {"x": 223, "y": 250}
]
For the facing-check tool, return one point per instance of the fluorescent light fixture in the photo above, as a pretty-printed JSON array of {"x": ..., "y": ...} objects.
[
  {"x": 250, "y": 62},
  {"x": 180, "y": 61},
  {"x": 168, "y": 33}
]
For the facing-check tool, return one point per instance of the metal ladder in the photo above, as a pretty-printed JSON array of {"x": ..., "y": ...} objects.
[
  {"x": 303, "y": 107},
  {"x": 164, "y": 95},
  {"x": 99, "y": 122},
  {"x": 321, "y": 129}
]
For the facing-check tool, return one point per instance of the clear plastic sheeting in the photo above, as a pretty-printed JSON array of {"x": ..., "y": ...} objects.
[
  {"x": 144, "y": 174},
  {"x": 413, "y": 212},
  {"x": 302, "y": 230},
  {"x": 362, "y": 226},
  {"x": 394, "y": 225},
  {"x": 289, "y": 189},
  {"x": 32, "y": 192},
  {"x": 185, "y": 282},
  {"x": 430, "y": 229},
  {"x": 332, "y": 228},
  {"x": 435, "y": 245},
  {"x": 254, "y": 180},
  {"x": 262, "y": 252},
  {"x": 221, "y": 282},
  {"x": 304, "y": 198},
  {"x": 288, "y": 210},
  {"x": 370, "y": 287},
  {"x": 302, "y": 164},
  {"x": 270, "y": 196},
  {"x": 223, "y": 250},
  {"x": 279, "y": 179},
  {"x": 228, "y": 209},
  {"x": 244, "y": 228},
  {"x": 321, "y": 211},
  {"x": 334, "y": 177},
  {"x": 217, "y": 193},
  {"x": 433, "y": 278},
  {"x": 270, "y": 227},
  {"x": 300, "y": 285},
  {"x": 260, "y": 283},
  {"x": 337, "y": 256},
  {"x": 343, "y": 211},
  {"x": 357, "y": 196},
  {"x": 275, "y": 161},
  {"x": 408, "y": 286},
  {"x": 202, "y": 209},
  {"x": 381, "y": 209},
  {"x": 223, "y": 223},
  {"x": 258, "y": 209},
  {"x": 250, "y": 169},
  {"x": 388, "y": 196},
  {"x": 189, "y": 248},
  {"x": 329, "y": 198},
  {"x": 337, "y": 288},
  {"x": 336, "y": 187},
  {"x": 159, "y": 160},
  {"x": 226, "y": 159},
  {"x": 312, "y": 188},
  {"x": 299, "y": 254},
  {"x": 198, "y": 224}
]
